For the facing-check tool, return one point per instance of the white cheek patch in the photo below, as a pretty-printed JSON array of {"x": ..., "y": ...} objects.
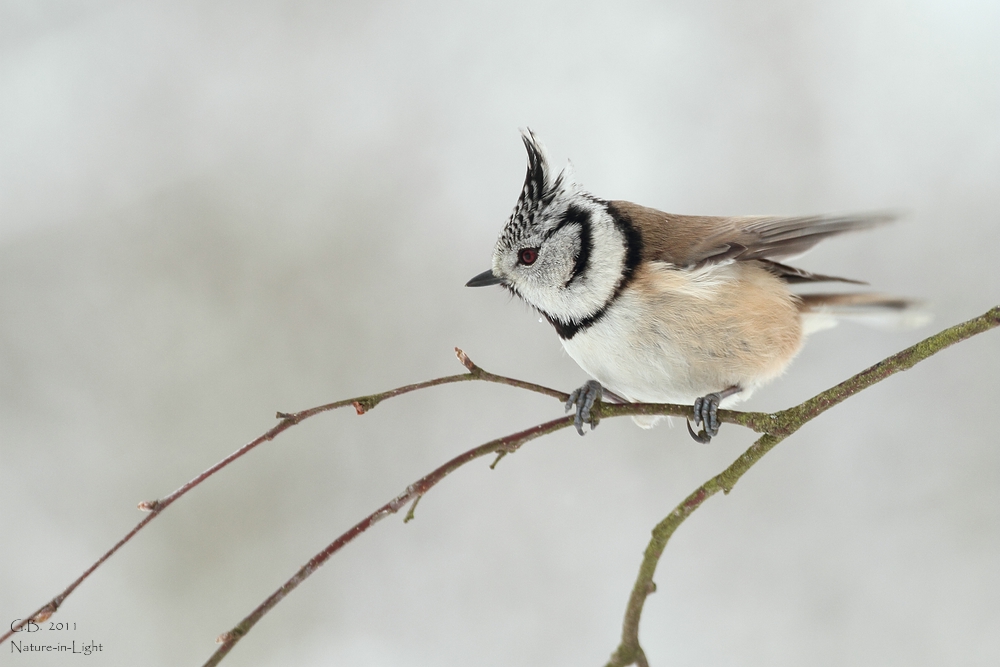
[
  {"x": 556, "y": 261},
  {"x": 589, "y": 291}
]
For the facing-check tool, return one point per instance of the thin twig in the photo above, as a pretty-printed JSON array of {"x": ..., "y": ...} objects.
[
  {"x": 411, "y": 515},
  {"x": 361, "y": 404},
  {"x": 783, "y": 424},
  {"x": 415, "y": 491}
]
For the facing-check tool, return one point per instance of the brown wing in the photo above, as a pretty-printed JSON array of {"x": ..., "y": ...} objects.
[
  {"x": 691, "y": 240},
  {"x": 790, "y": 274}
]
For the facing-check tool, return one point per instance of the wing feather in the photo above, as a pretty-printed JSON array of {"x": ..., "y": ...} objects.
[{"x": 688, "y": 240}]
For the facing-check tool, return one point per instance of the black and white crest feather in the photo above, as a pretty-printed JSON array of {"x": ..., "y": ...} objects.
[{"x": 540, "y": 188}]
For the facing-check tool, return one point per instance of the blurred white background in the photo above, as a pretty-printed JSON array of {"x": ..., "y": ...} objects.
[{"x": 210, "y": 211}]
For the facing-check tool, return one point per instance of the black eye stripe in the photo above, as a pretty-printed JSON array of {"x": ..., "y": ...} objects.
[{"x": 573, "y": 215}]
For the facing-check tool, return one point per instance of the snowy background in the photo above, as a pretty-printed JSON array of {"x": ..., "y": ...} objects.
[{"x": 210, "y": 211}]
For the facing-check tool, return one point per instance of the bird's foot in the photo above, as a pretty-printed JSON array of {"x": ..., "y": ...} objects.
[
  {"x": 706, "y": 411},
  {"x": 584, "y": 398}
]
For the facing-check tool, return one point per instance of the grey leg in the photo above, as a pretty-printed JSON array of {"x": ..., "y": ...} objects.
[
  {"x": 706, "y": 411},
  {"x": 584, "y": 399}
]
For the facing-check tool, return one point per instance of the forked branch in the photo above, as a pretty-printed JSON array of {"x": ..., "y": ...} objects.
[
  {"x": 775, "y": 428},
  {"x": 361, "y": 404}
]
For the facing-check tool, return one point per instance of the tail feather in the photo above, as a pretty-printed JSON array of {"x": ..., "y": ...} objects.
[{"x": 822, "y": 311}]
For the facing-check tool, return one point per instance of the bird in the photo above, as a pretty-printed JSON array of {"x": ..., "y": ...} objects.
[{"x": 663, "y": 308}]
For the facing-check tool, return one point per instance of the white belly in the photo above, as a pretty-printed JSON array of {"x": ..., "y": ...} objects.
[
  {"x": 672, "y": 336},
  {"x": 634, "y": 364}
]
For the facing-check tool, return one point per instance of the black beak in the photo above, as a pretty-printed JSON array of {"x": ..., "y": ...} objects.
[{"x": 483, "y": 279}]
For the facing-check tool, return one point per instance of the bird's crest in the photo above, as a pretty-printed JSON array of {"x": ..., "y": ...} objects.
[{"x": 541, "y": 187}]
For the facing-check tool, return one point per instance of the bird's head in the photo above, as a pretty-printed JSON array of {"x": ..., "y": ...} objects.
[{"x": 560, "y": 250}]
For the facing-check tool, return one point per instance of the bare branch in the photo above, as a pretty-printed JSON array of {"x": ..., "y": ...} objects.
[
  {"x": 506, "y": 445},
  {"x": 361, "y": 404},
  {"x": 786, "y": 422},
  {"x": 775, "y": 428}
]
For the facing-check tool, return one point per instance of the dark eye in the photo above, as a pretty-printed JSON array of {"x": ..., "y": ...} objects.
[{"x": 527, "y": 256}]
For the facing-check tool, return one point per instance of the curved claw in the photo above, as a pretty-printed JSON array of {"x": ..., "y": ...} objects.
[
  {"x": 584, "y": 399},
  {"x": 701, "y": 437}
]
